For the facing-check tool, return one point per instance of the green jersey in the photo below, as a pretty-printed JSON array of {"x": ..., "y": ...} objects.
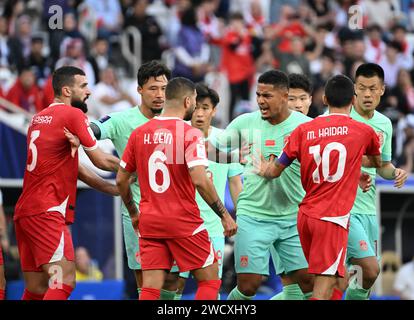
[
  {"x": 218, "y": 173},
  {"x": 262, "y": 198},
  {"x": 118, "y": 127},
  {"x": 365, "y": 202}
]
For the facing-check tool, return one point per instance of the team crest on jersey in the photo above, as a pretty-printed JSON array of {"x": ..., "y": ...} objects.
[
  {"x": 270, "y": 143},
  {"x": 244, "y": 261},
  {"x": 363, "y": 245},
  {"x": 380, "y": 135}
]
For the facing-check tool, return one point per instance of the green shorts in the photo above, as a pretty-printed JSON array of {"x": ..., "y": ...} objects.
[
  {"x": 218, "y": 245},
  {"x": 131, "y": 244},
  {"x": 363, "y": 237},
  {"x": 257, "y": 239}
]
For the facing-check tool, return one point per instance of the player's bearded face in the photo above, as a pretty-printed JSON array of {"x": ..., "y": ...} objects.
[
  {"x": 190, "y": 110},
  {"x": 78, "y": 103}
]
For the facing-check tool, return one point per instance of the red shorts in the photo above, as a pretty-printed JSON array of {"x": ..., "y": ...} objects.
[
  {"x": 190, "y": 253},
  {"x": 1, "y": 257},
  {"x": 43, "y": 239},
  {"x": 324, "y": 244}
]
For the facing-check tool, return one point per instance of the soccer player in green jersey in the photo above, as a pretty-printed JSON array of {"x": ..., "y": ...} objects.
[
  {"x": 152, "y": 81},
  {"x": 363, "y": 232},
  {"x": 300, "y": 93},
  {"x": 219, "y": 173},
  {"x": 267, "y": 210}
]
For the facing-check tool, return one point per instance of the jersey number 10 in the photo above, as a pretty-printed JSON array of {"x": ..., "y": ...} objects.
[{"x": 324, "y": 159}]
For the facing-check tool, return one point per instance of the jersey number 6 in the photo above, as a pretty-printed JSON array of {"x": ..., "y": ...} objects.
[{"x": 156, "y": 163}]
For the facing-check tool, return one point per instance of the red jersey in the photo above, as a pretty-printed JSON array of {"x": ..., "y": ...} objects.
[
  {"x": 51, "y": 173},
  {"x": 330, "y": 149},
  {"x": 161, "y": 152}
]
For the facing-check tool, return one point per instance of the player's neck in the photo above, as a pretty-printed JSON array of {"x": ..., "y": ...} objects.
[
  {"x": 63, "y": 100},
  {"x": 172, "y": 114},
  {"x": 282, "y": 116},
  {"x": 364, "y": 114},
  {"x": 147, "y": 112},
  {"x": 344, "y": 111},
  {"x": 206, "y": 131}
]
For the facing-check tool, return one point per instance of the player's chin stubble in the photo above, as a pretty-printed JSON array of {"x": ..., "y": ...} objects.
[{"x": 79, "y": 104}]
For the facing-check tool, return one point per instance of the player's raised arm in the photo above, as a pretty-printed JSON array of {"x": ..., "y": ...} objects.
[
  {"x": 95, "y": 181},
  {"x": 209, "y": 194}
]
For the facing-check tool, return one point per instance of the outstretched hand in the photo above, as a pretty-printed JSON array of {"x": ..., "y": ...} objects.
[
  {"x": 400, "y": 177},
  {"x": 365, "y": 182},
  {"x": 73, "y": 140},
  {"x": 260, "y": 164}
]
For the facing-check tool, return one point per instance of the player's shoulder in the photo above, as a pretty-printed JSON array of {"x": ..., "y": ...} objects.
[
  {"x": 124, "y": 114},
  {"x": 359, "y": 125},
  {"x": 382, "y": 119},
  {"x": 300, "y": 117}
]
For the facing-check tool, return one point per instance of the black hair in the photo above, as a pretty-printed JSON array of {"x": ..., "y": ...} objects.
[
  {"x": 178, "y": 88},
  {"x": 64, "y": 76},
  {"x": 204, "y": 91},
  {"x": 369, "y": 70},
  {"x": 189, "y": 18},
  {"x": 151, "y": 69},
  {"x": 300, "y": 81},
  {"x": 276, "y": 78},
  {"x": 339, "y": 91}
]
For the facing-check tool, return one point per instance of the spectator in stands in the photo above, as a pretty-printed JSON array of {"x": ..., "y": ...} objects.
[
  {"x": 404, "y": 281},
  {"x": 402, "y": 95},
  {"x": 100, "y": 58},
  {"x": 382, "y": 12},
  {"x": 276, "y": 8},
  {"x": 19, "y": 45},
  {"x": 57, "y": 38},
  {"x": 208, "y": 22},
  {"x": 375, "y": 46},
  {"x": 25, "y": 93},
  {"x": 74, "y": 55},
  {"x": 86, "y": 269},
  {"x": 237, "y": 60},
  {"x": 12, "y": 10},
  {"x": 392, "y": 62},
  {"x": 38, "y": 62},
  {"x": 192, "y": 51},
  {"x": 399, "y": 34},
  {"x": 108, "y": 96},
  {"x": 109, "y": 17},
  {"x": 5, "y": 56},
  {"x": 174, "y": 24},
  {"x": 293, "y": 61},
  {"x": 322, "y": 12},
  {"x": 150, "y": 30}
]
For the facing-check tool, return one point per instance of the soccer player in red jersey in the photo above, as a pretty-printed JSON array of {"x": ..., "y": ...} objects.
[
  {"x": 169, "y": 157},
  {"x": 330, "y": 150},
  {"x": 47, "y": 203}
]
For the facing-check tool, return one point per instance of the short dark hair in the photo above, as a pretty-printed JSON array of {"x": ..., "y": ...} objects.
[
  {"x": 300, "y": 81},
  {"x": 64, "y": 76},
  {"x": 151, "y": 69},
  {"x": 178, "y": 88},
  {"x": 339, "y": 91},
  {"x": 204, "y": 91},
  {"x": 369, "y": 70},
  {"x": 276, "y": 78}
]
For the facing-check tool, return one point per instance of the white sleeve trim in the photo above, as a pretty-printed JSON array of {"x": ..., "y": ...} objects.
[
  {"x": 123, "y": 164},
  {"x": 90, "y": 148},
  {"x": 194, "y": 163}
]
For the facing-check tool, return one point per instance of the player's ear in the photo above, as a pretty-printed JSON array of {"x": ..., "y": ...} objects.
[
  {"x": 382, "y": 89},
  {"x": 324, "y": 100},
  {"x": 214, "y": 111},
  {"x": 139, "y": 89},
  {"x": 66, "y": 91}
]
